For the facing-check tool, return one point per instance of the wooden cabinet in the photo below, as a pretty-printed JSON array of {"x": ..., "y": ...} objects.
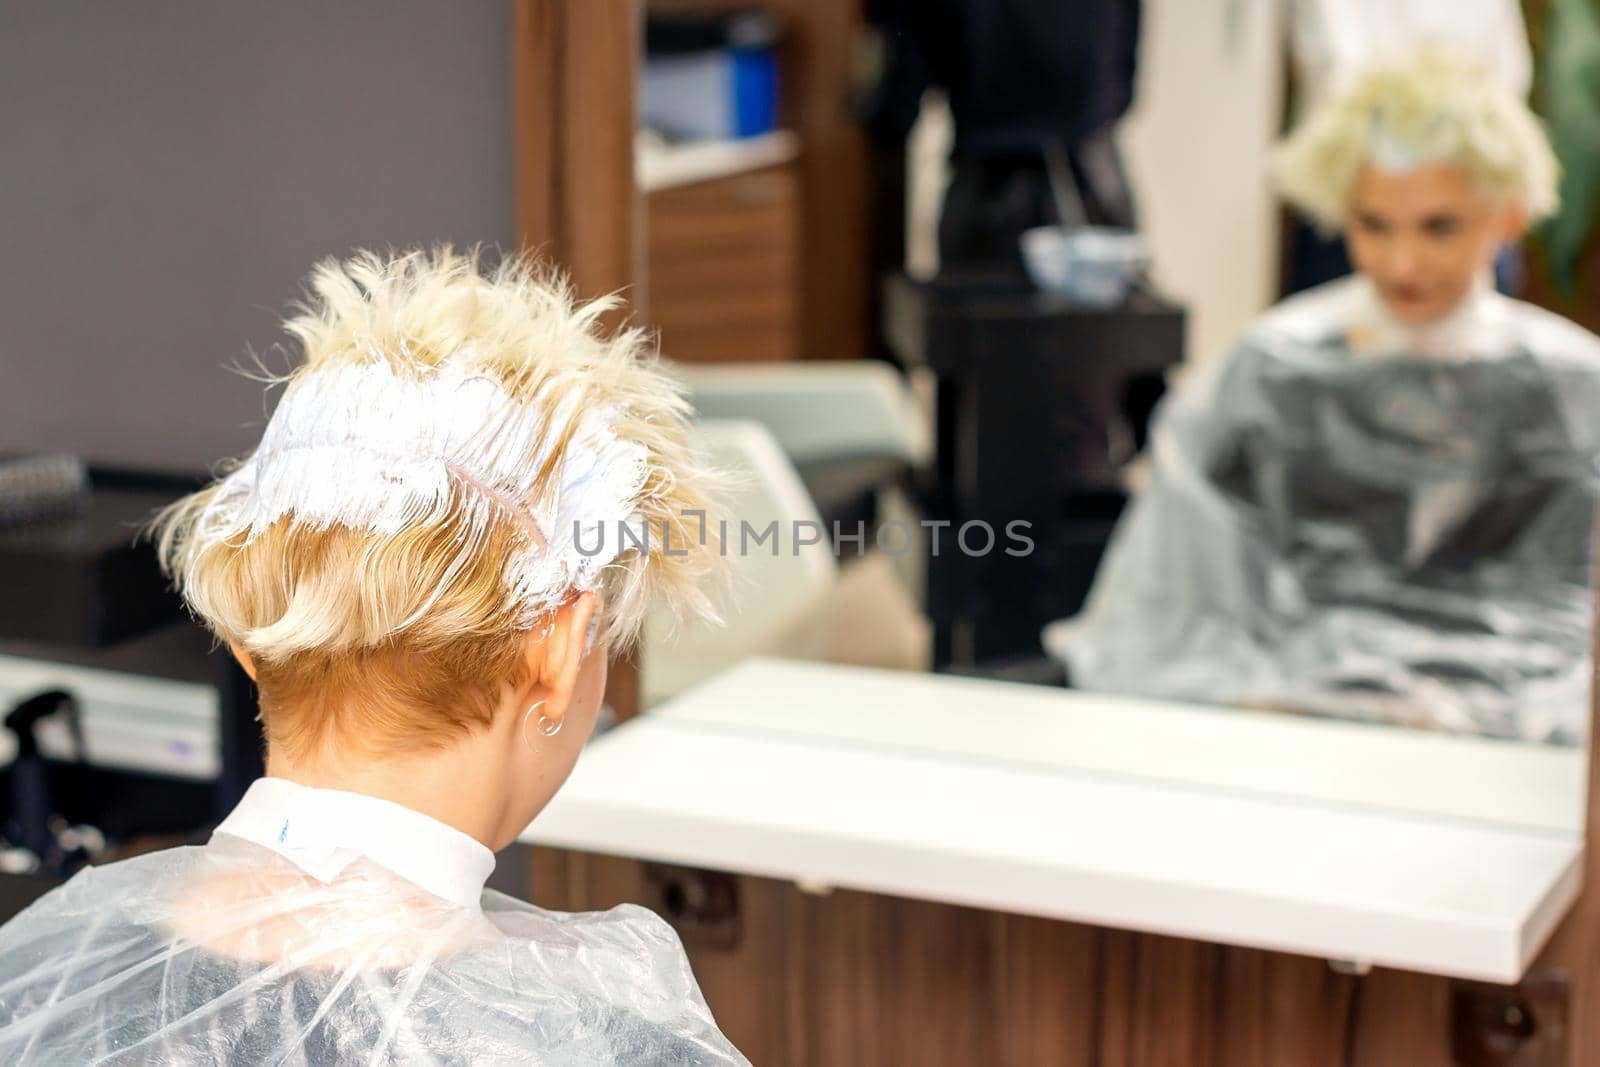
[
  {"x": 856, "y": 980},
  {"x": 724, "y": 266},
  {"x": 828, "y": 183}
]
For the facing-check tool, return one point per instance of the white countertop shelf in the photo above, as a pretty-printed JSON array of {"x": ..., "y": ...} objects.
[{"x": 1422, "y": 851}]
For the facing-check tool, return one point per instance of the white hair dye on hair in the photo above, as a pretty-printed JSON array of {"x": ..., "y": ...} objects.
[
  {"x": 372, "y": 447},
  {"x": 445, "y": 418},
  {"x": 1433, "y": 108}
]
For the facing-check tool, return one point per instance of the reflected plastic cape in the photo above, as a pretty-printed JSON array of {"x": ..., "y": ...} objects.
[{"x": 1398, "y": 539}]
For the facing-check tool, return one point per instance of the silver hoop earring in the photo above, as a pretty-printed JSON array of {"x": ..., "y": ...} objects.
[{"x": 546, "y": 726}]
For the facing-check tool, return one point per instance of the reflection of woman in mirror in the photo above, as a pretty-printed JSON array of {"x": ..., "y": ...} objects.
[
  {"x": 1379, "y": 505},
  {"x": 399, "y": 568},
  {"x": 1333, "y": 42}
]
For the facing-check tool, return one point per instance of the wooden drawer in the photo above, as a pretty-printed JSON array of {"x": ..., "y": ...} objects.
[{"x": 724, "y": 270}]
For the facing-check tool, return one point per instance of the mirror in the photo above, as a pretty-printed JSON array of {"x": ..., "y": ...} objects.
[{"x": 1271, "y": 458}]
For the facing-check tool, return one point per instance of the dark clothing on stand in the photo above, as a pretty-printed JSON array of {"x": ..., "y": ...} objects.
[
  {"x": 1024, "y": 78},
  {"x": 1018, "y": 72}
]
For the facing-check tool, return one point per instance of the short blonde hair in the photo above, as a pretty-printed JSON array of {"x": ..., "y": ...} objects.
[
  {"x": 402, "y": 637},
  {"x": 1434, "y": 108}
]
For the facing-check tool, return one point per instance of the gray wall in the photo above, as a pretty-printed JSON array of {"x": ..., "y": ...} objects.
[{"x": 169, "y": 169}]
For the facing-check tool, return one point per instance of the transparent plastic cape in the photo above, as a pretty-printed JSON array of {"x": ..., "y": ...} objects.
[
  {"x": 230, "y": 954},
  {"x": 1386, "y": 537}
]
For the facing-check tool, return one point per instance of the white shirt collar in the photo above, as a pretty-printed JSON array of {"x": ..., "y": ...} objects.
[
  {"x": 1479, "y": 327},
  {"x": 322, "y": 831}
]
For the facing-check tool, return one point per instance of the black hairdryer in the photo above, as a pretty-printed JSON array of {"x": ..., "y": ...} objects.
[{"x": 31, "y": 807}]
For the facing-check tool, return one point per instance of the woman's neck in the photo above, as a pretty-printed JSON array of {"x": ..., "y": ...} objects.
[
  {"x": 1466, "y": 329},
  {"x": 464, "y": 785}
]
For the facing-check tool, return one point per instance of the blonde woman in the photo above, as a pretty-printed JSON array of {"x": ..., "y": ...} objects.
[
  {"x": 422, "y": 567},
  {"x": 1379, "y": 504}
]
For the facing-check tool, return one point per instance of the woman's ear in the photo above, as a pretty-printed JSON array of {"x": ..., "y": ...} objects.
[
  {"x": 1513, "y": 222},
  {"x": 244, "y": 659},
  {"x": 555, "y": 658}
]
